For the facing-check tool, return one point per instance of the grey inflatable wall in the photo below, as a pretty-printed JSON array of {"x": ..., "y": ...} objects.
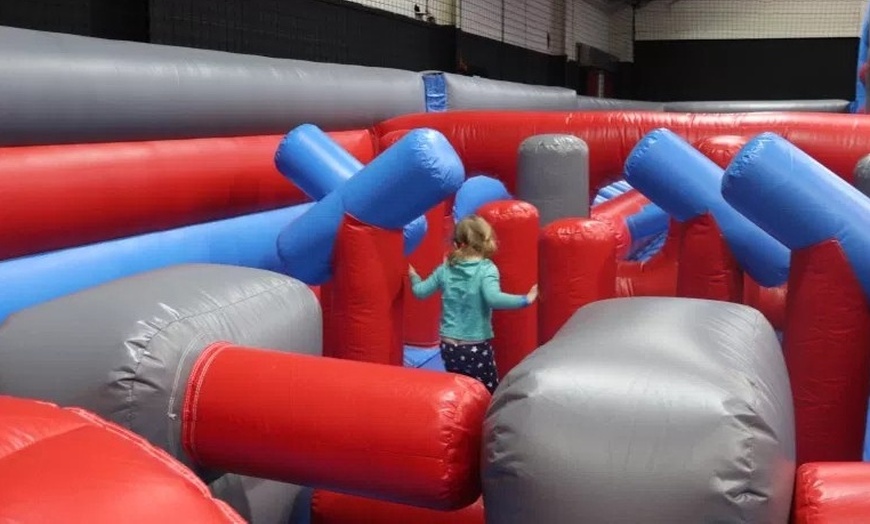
[
  {"x": 57, "y": 88},
  {"x": 125, "y": 349},
  {"x": 659, "y": 410},
  {"x": 465, "y": 92},
  {"x": 750, "y": 106},
  {"x": 553, "y": 176}
]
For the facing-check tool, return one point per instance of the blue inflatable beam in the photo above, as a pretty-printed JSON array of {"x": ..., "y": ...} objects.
[
  {"x": 646, "y": 224},
  {"x": 475, "y": 193},
  {"x": 414, "y": 174},
  {"x": 686, "y": 184},
  {"x": 799, "y": 201},
  {"x": 318, "y": 165},
  {"x": 242, "y": 241}
]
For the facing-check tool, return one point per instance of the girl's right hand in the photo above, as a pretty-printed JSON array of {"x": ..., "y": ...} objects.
[{"x": 532, "y": 295}]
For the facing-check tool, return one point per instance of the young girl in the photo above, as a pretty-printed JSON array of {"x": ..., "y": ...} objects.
[{"x": 470, "y": 287}]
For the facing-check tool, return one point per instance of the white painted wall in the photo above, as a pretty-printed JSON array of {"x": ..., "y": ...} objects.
[{"x": 749, "y": 19}]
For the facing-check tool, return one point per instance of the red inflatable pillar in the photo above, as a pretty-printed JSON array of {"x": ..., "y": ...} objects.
[
  {"x": 578, "y": 266},
  {"x": 422, "y": 316},
  {"x": 334, "y": 508},
  {"x": 517, "y": 227},
  {"x": 826, "y": 347},
  {"x": 367, "y": 294},
  {"x": 405, "y": 435},
  {"x": 831, "y": 493},
  {"x": 707, "y": 269}
]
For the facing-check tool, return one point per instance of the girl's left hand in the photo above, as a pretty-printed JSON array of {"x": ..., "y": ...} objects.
[{"x": 412, "y": 271}]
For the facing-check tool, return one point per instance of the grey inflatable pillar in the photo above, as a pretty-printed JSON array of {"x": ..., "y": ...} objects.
[
  {"x": 553, "y": 175},
  {"x": 862, "y": 175},
  {"x": 645, "y": 410}
]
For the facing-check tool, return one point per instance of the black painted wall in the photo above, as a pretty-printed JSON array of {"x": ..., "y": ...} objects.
[{"x": 771, "y": 69}]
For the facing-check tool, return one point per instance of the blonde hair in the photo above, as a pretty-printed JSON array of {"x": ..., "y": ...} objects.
[{"x": 473, "y": 236}]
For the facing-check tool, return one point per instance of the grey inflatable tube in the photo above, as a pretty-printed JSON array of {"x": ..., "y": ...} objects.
[
  {"x": 862, "y": 175},
  {"x": 57, "y": 88},
  {"x": 749, "y": 106},
  {"x": 659, "y": 410},
  {"x": 465, "y": 92},
  {"x": 590, "y": 103},
  {"x": 553, "y": 176}
]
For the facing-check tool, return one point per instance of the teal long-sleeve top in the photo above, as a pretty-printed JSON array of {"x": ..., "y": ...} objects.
[{"x": 470, "y": 290}]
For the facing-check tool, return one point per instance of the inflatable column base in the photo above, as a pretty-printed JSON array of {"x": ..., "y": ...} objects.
[
  {"x": 707, "y": 269},
  {"x": 577, "y": 267},
  {"x": 368, "y": 290},
  {"x": 827, "y": 351}
]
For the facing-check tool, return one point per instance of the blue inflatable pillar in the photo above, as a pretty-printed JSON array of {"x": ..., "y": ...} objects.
[
  {"x": 313, "y": 161},
  {"x": 799, "y": 201},
  {"x": 686, "y": 184},
  {"x": 403, "y": 182},
  {"x": 475, "y": 192}
]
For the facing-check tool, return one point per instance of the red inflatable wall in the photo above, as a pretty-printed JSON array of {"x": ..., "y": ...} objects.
[
  {"x": 832, "y": 493},
  {"x": 52, "y": 197},
  {"x": 487, "y": 141},
  {"x": 334, "y": 508}
]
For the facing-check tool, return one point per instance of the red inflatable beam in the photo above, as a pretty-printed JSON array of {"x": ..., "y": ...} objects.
[
  {"x": 827, "y": 336},
  {"x": 482, "y": 137},
  {"x": 367, "y": 312},
  {"x": 403, "y": 435},
  {"x": 517, "y": 227},
  {"x": 832, "y": 493},
  {"x": 578, "y": 267},
  {"x": 721, "y": 149},
  {"x": 67, "y": 465},
  {"x": 334, "y": 508},
  {"x": 53, "y": 197}
]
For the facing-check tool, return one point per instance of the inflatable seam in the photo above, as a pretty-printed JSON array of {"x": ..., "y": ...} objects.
[{"x": 191, "y": 399}]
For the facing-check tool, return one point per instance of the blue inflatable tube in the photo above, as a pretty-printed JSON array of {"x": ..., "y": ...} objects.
[
  {"x": 243, "y": 241},
  {"x": 686, "y": 184},
  {"x": 315, "y": 162},
  {"x": 799, "y": 201},
  {"x": 402, "y": 183},
  {"x": 318, "y": 165},
  {"x": 475, "y": 193}
]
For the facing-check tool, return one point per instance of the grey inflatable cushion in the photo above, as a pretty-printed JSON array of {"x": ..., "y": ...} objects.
[
  {"x": 645, "y": 410},
  {"x": 125, "y": 349},
  {"x": 757, "y": 106}
]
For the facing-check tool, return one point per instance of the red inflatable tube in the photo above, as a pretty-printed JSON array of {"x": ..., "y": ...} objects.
[
  {"x": 827, "y": 351},
  {"x": 366, "y": 312},
  {"x": 615, "y": 212},
  {"x": 578, "y": 267},
  {"x": 721, "y": 149},
  {"x": 707, "y": 269},
  {"x": 487, "y": 141},
  {"x": 404, "y": 435},
  {"x": 334, "y": 508},
  {"x": 517, "y": 226},
  {"x": 832, "y": 493},
  {"x": 68, "y": 465},
  {"x": 53, "y": 197},
  {"x": 422, "y": 316}
]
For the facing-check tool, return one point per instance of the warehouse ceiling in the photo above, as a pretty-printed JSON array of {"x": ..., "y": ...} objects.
[{"x": 615, "y": 5}]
